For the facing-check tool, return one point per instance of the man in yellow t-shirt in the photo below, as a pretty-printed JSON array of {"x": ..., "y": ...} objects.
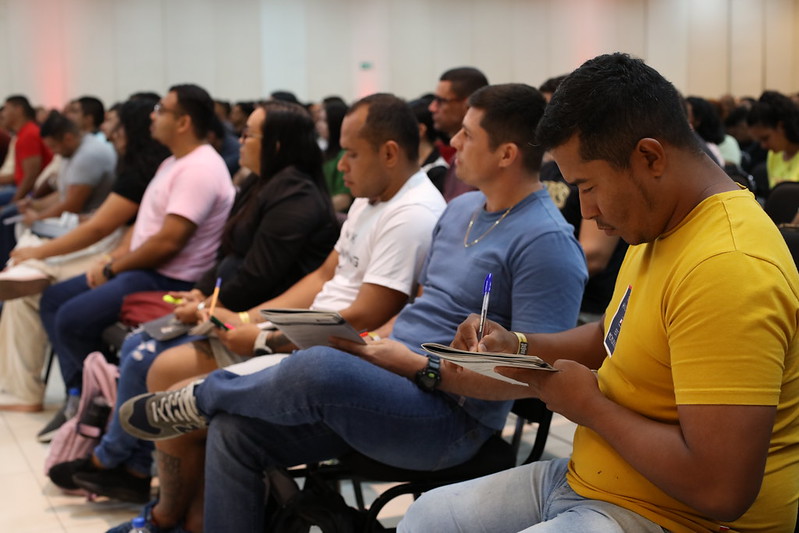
[{"x": 690, "y": 423}]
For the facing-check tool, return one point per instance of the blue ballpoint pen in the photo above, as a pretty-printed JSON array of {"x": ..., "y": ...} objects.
[{"x": 484, "y": 310}]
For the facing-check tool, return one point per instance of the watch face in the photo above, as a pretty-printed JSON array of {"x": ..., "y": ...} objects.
[{"x": 427, "y": 379}]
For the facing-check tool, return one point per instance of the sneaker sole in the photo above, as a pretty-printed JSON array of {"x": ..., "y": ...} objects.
[
  {"x": 23, "y": 408},
  {"x": 122, "y": 494}
]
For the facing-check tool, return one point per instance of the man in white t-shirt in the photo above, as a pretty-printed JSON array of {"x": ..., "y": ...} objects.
[
  {"x": 368, "y": 277},
  {"x": 175, "y": 238},
  {"x": 372, "y": 271}
]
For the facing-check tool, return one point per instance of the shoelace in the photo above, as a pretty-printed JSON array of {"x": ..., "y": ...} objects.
[{"x": 178, "y": 407}]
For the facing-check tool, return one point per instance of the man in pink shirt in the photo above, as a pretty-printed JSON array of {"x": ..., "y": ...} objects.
[{"x": 174, "y": 240}]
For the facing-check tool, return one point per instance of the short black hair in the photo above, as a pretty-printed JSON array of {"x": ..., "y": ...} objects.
[
  {"x": 773, "y": 108},
  {"x": 551, "y": 84},
  {"x": 57, "y": 125},
  {"x": 421, "y": 109},
  {"x": 707, "y": 120},
  {"x": 195, "y": 101},
  {"x": 149, "y": 96},
  {"x": 22, "y": 101},
  {"x": 224, "y": 104},
  {"x": 217, "y": 127},
  {"x": 465, "y": 80},
  {"x": 611, "y": 102},
  {"x": 389, "y": 118},
  {"x": 736, "y": 116},
  {"x": 92, "y": 106},
  {"x": 284, "y": 96},
  {"x": 247, "y": 107},
  {"x": 511, "y": 113}
]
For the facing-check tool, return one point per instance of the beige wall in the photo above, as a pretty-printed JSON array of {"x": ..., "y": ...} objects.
[{"x": 56, "y": 49}]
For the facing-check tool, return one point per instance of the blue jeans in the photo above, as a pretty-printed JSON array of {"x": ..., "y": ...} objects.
[
  {"x": 319, "y": 404},
  {"x": 526, "y": 499},
  {"x": 8, "y": 237},
  {"x": 75, "y": 315},
  {"x": 7, "y": 193},
  {"x": 136, "y": 357}
]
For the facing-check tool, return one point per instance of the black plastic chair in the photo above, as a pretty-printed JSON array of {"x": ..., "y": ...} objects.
[
  {"x": 495, "y": 455},
  {"x": 783, "y": 202}
]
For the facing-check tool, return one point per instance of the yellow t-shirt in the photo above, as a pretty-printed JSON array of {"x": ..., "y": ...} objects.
[
  {"x": 780, "y": 170},
  {"x": 711, "y": 319}
]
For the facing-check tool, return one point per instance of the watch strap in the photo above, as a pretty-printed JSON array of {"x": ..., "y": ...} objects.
[
  {"x": 108, "y": 271},
  {"x": 429, "y": 377},
  {"x": 261, "y": 347}
]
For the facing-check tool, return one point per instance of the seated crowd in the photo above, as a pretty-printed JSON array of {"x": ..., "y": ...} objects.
[{"x": 606, "y": 191}]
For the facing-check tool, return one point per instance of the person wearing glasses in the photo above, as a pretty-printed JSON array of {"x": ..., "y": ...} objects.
[
  {"x": 173, "y": 242},
  {"x": 449, "y": 107},
  {"x": 281, "y": 228}
]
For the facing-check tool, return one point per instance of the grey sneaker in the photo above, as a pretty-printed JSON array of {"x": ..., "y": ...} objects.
[{"x": 162, "y": 415}]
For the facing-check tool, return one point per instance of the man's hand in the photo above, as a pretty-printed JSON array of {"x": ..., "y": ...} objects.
[
  {"x": 240, "y": 340},
  {"x": 573, "y": 391},
  {"x": 495, "y": 337},
  {"x": 385, "y": 353},
  {"x": 22, "y": 254}
]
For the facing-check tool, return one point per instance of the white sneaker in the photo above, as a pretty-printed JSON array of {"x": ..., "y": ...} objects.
[{"x": 10, "y": 402}]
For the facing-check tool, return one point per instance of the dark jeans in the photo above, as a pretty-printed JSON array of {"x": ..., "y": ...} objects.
[
  {"x": 137, "y": 355},
  {"x": 319, "y": 404},
  {"x": 75, "y": 315}
]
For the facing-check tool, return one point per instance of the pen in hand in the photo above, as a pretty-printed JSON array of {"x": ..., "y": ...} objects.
[
  {"x": 484, "y": 310},
  {"x": 215, "y": 296}
]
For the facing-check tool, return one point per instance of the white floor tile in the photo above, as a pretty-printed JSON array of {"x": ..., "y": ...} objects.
[{"x": 30, "y": 503}]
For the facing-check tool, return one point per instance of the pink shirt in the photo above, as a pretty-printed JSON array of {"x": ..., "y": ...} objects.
[{"x": 196, "y": 187}]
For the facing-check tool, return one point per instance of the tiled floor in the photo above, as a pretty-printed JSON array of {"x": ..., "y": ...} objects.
[{"x": 30, "y": 503}]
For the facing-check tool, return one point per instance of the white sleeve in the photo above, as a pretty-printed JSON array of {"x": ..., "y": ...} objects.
[{"x": 400, "y": 247}]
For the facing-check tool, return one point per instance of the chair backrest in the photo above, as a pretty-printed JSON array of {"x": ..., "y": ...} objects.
[
  {"x": 531, "y": 411},
  {"x": 791, "y": 235},
  {"x": 783, "y": 202}
]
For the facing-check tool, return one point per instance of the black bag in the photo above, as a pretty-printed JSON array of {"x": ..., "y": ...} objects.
[{"x": 291, "y": 510}]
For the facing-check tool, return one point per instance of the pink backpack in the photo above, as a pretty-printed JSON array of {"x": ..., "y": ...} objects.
[{"x": 74, "y": 440}]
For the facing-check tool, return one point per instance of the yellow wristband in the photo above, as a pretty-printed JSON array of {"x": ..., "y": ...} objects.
[
  {"x": 244, "y": 316},
  {"x": 522, "y": 343}
]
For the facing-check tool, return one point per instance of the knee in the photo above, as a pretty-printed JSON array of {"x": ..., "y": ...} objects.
[
  {"x": 322, "y": 367},
  {"x": 131, "y": 344},
  {"x": 225, "y": 436},
  {"x": 421, "y": 514},
  {"x": 69, "y": 318},
  {"x": 134, "y": 369}
]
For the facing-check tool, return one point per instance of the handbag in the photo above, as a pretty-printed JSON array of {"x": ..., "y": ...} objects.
[{"x": 141, "y": 307}]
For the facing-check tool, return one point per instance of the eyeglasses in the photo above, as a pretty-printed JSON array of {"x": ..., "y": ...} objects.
[
  {"x": 159, "y": 109},
  {"x": 245, "y": 134},
  {"x": 441, "y": 100}
]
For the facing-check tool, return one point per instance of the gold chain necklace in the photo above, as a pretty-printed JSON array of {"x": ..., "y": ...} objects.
[{"x": 466, "y": 243}]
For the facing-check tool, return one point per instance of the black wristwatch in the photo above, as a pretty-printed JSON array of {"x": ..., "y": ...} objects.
[
  {"x": 429, "y": 377},
  {"x": 108, "y": 272}
]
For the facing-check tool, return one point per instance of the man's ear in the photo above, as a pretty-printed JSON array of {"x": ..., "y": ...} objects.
[
  {"x": 651, "y": 153},
  {"x": 390, "y": 153},
  {"x": 184, "y": 123},
  {"x": 508, "y": 153}
]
